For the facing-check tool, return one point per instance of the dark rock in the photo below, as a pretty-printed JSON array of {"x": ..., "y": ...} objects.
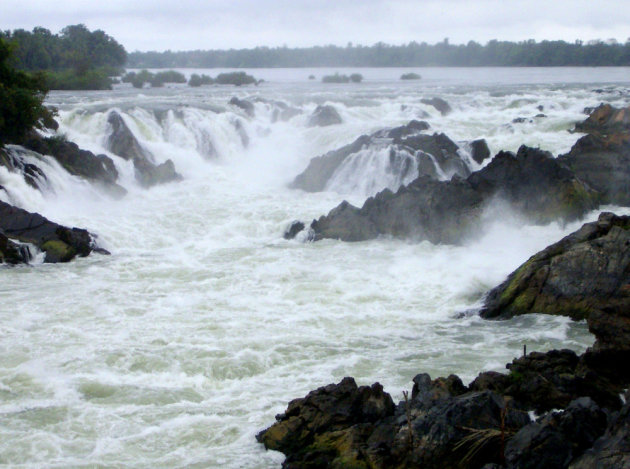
[
  {"x": 438, "y": 103},
  {"x": 14, "y": 161},
  {"x": 606, "y": 120},
  {"x": 245, "y": 105},
  {"x": 323, "y": 116},
  {"x": 293, "y": 229},
  {"x": 149, "y": 174},
  {"x": 604, "y": 164},
  {"x": 123, "y": 143},
  {"x": 612, "y": 450},
  {"x": 432, "y": 154},
  {"x": 531, "y": 181},
  {"x": 13, "y": 253},
  {"x": 556, "y": 439},
  {"x": 540, "y": 107},
  {"x": 582, "y": 273},
  {"x": 327, "y": 423},
  {"x": 479, "y": 150},
  {"x": 95, "y": 168},
  {"x": 519, "y": 120},
  {"x": 60, "y": 243},
  {"x": 540, "y": 116}
]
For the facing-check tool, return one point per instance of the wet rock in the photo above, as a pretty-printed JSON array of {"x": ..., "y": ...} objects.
[
  {"x": 519, "y": 120},
  {"x": 123, "y": 143},
  {"x": 149, "y": 174},
  {"x": 293, "y": 229},
  {"x": 13, "y": 253},
  {"x": 438, "y": 103},
  {"x": 604, "y": 164},
  {"x": 59, "y": 243},
  {"x": 432, "y": 155},
  {"x": 532, "y": 182},
  {"x": 98, "y": 169},
  {"x": 242, "y": 133},
  {"x": 328, "y": 423},
  {"x": 243, "y": 104},
  {"x": 324, "y": 116},
  {"x": 15, "y": 162},
  {"x": 556, "y": 439},
  {"x": 582, "y": 273},
  {"x": 479, "y": 150},
  {"x": 606, "y": 120},
  {"x": 612, "y": 450}
]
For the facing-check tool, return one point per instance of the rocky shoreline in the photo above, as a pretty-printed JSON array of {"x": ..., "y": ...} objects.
[
  {"x": 583, "y": 419},
  {"x": 550, "y": 410}
]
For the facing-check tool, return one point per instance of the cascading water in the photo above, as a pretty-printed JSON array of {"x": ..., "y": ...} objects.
[{"x": 203, "y": 323}]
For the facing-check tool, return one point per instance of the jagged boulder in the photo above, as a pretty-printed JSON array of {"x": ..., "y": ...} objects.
[
  {"x": 584, "y": 272},
  {"x": 532, "y": 182},
  {"x": 556, "y": 439},
  {"x": 606, "y": 120},
  {"x": 479, "y": 150},
  {"x": 59, "y": 243},
  {"x": 123, "y": 143},
  {"x": 551, "y": 380},
  {"x": 324, "y": 115},
  {"x": 604, "y": 164},
  {"x": 611, "y": 450}
]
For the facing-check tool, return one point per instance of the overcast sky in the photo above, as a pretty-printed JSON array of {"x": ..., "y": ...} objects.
[{"x": 222, "y": 24}]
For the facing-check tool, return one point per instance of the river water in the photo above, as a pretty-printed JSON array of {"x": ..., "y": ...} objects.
[{"x": 204, "y": 322}]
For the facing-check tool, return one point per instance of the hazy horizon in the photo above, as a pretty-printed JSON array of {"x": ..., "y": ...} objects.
[{"x": 246, "y": 24}]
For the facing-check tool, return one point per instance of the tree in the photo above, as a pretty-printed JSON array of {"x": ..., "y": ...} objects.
[{"x": 21, "y": 100}]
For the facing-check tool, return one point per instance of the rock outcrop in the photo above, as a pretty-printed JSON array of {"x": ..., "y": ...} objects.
[
  {"x": 245, "y": 105},
  {"x": 585, "y": 272},
  {"x": 59, "y": 243},
  {"x": 408, "y": 150},
  {"x": 323, "y": 116},
  {"x": 98, "y": 169},
  {"x": 602, "y": 158},
  {"x": 123, "y": 143},
  {"x": 531, "y": 181}
]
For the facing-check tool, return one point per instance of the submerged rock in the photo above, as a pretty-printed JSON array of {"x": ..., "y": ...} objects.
[
  {"x": 324, "y": 116},
  {"x": 59, "y": 243},
  {"x": 532, "y": 182}
]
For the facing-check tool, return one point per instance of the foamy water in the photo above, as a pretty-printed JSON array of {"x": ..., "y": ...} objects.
[{"x": 203, "y": 323}]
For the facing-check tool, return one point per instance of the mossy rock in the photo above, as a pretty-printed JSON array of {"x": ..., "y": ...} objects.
[{"x": 58, "y": 251}]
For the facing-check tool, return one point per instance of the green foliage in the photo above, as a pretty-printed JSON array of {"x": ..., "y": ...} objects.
[
  {"x": 336, "y": 78},
  {"x": 198, "y": 80},
  {"x": 410, "y": 76},
  {"x": 356, "y": 78},
  {"x": 156, "y": 80},
  {"x": 76, "y": 58},
  {"x": 413, "y": 54},
  {"x": 95, "y": 79},
  {"x": 21, "y": 100},
  {"x": 235, "y": 78}
]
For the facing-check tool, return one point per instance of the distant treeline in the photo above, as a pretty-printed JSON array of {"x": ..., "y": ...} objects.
[
  {"x": 494, "y": 53},
  {"x": 76, "y": 58}
]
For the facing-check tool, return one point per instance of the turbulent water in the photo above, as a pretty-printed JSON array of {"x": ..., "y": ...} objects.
[{"x": 203, "y": 323}]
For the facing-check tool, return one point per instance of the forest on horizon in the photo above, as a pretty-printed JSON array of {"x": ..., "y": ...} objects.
[{"x": 494, "y": 53}]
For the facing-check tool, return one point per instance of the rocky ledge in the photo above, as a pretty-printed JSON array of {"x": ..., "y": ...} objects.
[
  {"x": 59, "y": 243},
  {"x": 583, "y": 421}
]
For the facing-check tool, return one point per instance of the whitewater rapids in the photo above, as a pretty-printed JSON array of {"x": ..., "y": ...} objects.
[{"x": 203, "y": 323}]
